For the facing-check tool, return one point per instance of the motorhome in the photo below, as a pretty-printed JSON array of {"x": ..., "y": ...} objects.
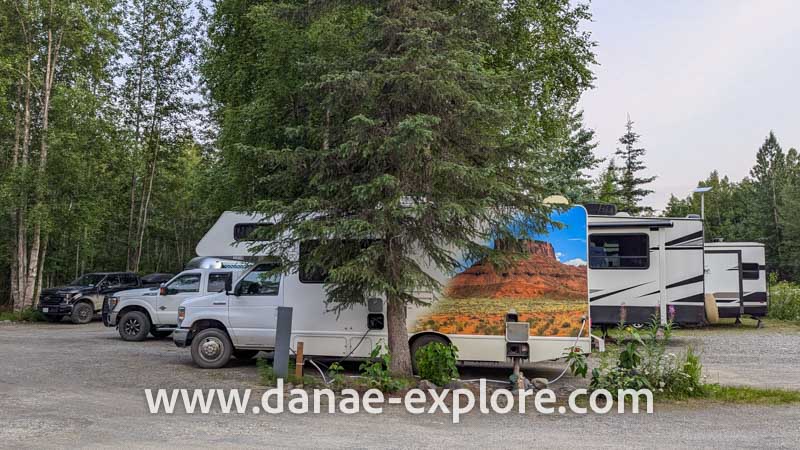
[
  {"x": 645, "y": 267},
  {"x": 547, "y": 289}
]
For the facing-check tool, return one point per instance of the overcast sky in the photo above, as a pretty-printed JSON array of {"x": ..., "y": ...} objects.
[{"x": 704, "y": 82}]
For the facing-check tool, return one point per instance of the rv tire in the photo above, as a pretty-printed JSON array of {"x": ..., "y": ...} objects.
[{"x": 211, "y": 348}]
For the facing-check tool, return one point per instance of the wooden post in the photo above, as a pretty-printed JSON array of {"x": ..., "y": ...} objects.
[{"x": 298, "y": 366}]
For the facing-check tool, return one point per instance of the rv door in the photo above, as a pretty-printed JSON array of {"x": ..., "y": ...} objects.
[{"x": 724, "y": 280}]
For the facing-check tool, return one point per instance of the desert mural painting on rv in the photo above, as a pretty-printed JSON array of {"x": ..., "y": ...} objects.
[{"x": 546, "y": 286}]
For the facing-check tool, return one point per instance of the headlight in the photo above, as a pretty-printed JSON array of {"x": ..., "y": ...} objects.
[
  {"x": 112, "y": 303},
  {"x": 181, "y": 314}
]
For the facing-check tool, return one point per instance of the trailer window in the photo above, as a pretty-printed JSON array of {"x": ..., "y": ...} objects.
[
  {"x": 619, "y": 251},
  {"x": 750, "y": 271}
]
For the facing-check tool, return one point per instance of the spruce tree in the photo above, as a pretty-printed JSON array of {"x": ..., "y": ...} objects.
[
  {"x": 398, "y": 126},
  {"x": 632, "y": 189}
]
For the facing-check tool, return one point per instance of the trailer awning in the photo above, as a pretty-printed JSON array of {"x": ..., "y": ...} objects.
[{"x": 633, "y": 224}]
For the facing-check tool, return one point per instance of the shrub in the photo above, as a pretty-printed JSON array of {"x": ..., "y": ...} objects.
[
  {"x": 376, "y": 371},
  {"x": 784, "y": 301},
  {"x": 265, "y": 372},
  {"x": 436, "y": 362},
  {"x": 643, "y": 363},
  {"x": 26, "y": 315}
]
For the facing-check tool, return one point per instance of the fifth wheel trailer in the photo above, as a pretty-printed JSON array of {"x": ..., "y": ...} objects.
[{"x": 641, "y": 267}]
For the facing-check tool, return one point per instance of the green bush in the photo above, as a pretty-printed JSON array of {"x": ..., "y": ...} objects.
[
  {"x": 376, "y": 371},
  {"x": 784, "y": 301},
  {"x": 643, "y": 363},
  {"x": 26, "y": 315},
  {"x": 436, "y": 362}
]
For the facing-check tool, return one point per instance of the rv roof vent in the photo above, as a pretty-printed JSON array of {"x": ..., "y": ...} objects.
[
  {"x": 623, "y": 214},
  {"x": 600, "y": 209},
  {"x": 693, "y": 216}
]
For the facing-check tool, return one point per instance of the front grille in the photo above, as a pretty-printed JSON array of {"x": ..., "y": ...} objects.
[{"x": 51, "y": 299}]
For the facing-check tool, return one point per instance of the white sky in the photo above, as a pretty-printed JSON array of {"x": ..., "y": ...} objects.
[{"x": 704, "y": 82}]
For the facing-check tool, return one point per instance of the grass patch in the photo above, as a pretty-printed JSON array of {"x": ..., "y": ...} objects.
[
  {"x": 26, "y": 315},
  {"x": 750, "y": 395}
]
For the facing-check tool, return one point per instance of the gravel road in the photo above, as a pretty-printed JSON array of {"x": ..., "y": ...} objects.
[{"x": 80, "y": 386}]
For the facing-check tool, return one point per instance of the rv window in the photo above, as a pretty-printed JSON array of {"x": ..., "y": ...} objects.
[
  {"x": 750, "y": 271},
  {"x": 242, "y": 231},
  {"x": 219, "y": 281},
  {"x": 345, "y": 249},
  {"x": 619, "y": 251},
  {"x": 260, "y": 282}
]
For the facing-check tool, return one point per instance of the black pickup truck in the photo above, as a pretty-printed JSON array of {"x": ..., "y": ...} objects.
[{"x": 83, "y": 297}]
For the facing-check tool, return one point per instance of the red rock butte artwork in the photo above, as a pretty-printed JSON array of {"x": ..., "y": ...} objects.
[{"x": 537, "y": 274}]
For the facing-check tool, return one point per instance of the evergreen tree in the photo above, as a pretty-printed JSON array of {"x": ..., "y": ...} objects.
[
  {"x": 400, "y": 123},
  {"x": 606, "y": 189},
  {"x": 631, "y": 184},
  {"x": 571, "y": 157},
  {"x": 769, "y": 178}
]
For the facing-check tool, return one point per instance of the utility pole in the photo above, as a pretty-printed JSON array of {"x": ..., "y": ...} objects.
[{"x": 702, "y": 191}]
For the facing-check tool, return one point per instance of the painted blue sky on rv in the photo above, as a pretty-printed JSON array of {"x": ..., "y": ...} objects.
[{"x": 569, "y": 242}]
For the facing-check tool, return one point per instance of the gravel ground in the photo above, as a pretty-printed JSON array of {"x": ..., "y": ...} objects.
[{"x": 80, "y": 386}]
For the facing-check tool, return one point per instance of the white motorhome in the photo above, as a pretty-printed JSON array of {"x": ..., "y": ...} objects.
[
  {"x": 641, "y": 267},
  {"x": 736, "y": 275},
  {"x": 548, "y": 290}
]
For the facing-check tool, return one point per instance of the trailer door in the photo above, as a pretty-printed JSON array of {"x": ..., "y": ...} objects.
[{"x": 724, "y": 280}]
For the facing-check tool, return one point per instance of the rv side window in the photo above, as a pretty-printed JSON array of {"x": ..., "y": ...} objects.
[
  {"x": 219, "y": 281},
  {"x": 310, "y": 274},
  {"x": 260, "y": 282},
  {"x": 242, "y": 231},
  {"x": 750, "y": 271},
  {"x": 619, "y": 251}
]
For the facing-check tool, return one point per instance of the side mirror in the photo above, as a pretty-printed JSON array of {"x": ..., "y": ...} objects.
[{"x": 162, "y": 290}]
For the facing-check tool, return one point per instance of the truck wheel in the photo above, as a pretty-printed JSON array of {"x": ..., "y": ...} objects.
[
  {"x": 82, "y": 313},
  {"x": 53, "y": 319},
  {"x": 423, "y": 341},
  {"x": 160, "y": 334},
  {"x": 244, "y": 354},
  {"x": 211, "y": 348},
  {"x": 134, "y": 326}
]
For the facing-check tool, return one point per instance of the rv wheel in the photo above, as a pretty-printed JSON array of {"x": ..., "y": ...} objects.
[
  {"x": 421, "y": 342},
  {"x": 211, "y": 348}
]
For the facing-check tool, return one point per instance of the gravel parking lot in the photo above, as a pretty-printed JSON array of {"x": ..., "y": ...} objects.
[{"x": 81, "y": 386}]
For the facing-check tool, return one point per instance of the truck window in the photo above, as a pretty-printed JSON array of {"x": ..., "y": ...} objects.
[
  {"x": 128, "y": 280},
  {"x": 219, "y": 281},
  {"x": 619, "y": 251},
  {"x": 111, "y": 281},
  {"x": 259, "y": 282},
  {"x": 185, "y": 283},
  {"x": 750, "y": 271}
]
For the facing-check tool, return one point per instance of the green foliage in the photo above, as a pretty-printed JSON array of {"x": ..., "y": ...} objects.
[
  {"x": 631, "y": 184},
  {"x": 578, "y": 363},
  {"x": 764, "y": 207},
  {"x": 644, "y": 363},
  {"x": 335, "y": 375},
  {"x": 376, "y": 371},
  {"x": 265, "y": 372},
  {"x": 25, "y": 315},
  {"x": 436, "y": 362},
  {"x": 784, "y": 301},
  {"x": 750, "y": 395}
]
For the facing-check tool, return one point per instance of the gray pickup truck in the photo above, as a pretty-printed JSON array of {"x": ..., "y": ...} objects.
[{"x": 82, "y": 298}]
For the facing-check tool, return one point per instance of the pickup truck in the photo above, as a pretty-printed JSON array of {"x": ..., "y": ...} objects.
[
  {"x": 82, "y": 298},
  {"x": 137, "y": 312}
]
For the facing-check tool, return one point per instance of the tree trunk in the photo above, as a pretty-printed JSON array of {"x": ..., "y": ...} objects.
[
  {"x": 38, "y": 288},
  {"x": 145, "y": 206},
  {"x": 396, "y": 313}
]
